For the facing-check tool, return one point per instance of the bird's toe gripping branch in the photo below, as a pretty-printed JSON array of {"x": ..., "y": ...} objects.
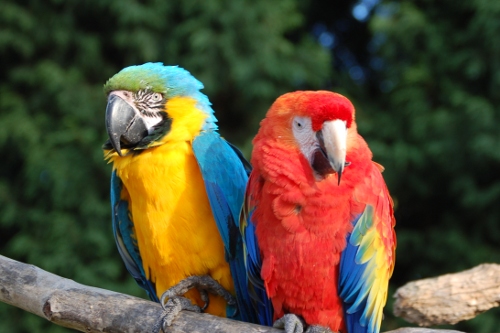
[
  {"x": 176, "y": 302},
  {"x": 290, "y": 323},
  {"x": 205, "y": 284},
  {"x": 172, "y": 309}
]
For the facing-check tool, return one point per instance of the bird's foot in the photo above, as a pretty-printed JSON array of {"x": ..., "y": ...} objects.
[
  {"x": 176, "y": 302},
  {"x": 318, "y": 329},
  {"x": 205, "y": 284},
  {"x": 290, "y": 323},
  {"x": 172, "y": 309}
]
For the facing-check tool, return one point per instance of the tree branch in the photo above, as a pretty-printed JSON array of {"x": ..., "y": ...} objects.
[
  {"x": 450, "y": 298},
  {"x": 88, "y": 309}
]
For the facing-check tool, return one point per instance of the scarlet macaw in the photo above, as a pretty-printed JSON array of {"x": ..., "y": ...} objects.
[
  {"x": 318, "y": 220},
  {"x": 176, "y": 189}
]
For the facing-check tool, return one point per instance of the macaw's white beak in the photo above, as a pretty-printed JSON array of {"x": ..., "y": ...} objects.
[{"x": 333, "y": 143}]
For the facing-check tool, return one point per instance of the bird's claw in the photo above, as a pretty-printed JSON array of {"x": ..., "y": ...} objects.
[
  {"x": 205, "y": 284},
  {"x": 172, "y": 309},
  {"x": 290, "y": 323},
  {"x": 176, "y": 302},
  {"x": 204, "y": 297}
]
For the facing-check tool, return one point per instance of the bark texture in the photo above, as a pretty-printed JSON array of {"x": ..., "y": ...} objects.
[
  {"x": 89, "y": 309},
  {"x": 450, "y": 298}
]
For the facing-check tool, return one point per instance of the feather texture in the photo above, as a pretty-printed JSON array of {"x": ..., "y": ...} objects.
[
  {"x": 253, "y": 261},
  {"x": 225, "y": 177},
  {"x": 368, "y": 260},
  {"x": 324, "y": 250},
  {"x": 124, "y": 237},
  {"x": 176, "y": 199}
]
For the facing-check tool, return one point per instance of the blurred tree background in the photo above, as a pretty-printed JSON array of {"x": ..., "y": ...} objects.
[{"x": 424, "y": 76}]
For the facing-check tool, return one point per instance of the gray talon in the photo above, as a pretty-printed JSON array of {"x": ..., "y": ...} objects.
[
  {"x": 204, "y": 297},
  {"x": 173, "y": 307},
  {"x": 176, "y": 302},
  {"x": 204, "y": 284},
  {"x": 291, "y": 323}
]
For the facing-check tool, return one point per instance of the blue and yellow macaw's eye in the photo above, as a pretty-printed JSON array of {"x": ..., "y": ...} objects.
[{"x": 149, "y": 103}]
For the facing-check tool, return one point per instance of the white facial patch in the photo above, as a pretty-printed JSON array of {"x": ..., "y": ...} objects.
[
  {"x": 151, "y": 121},
  {"x": 305, "y": 136}
]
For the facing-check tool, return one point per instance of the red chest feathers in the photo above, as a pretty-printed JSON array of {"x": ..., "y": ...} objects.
[{"x": 302, "y": 227}]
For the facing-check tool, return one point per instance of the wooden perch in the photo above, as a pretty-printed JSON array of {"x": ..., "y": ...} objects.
[
  {"x": 88, "y": 309},
  {"x": 450, "y": 298}
]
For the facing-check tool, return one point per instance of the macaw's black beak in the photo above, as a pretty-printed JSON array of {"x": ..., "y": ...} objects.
[{"x": 124, "y": 125}]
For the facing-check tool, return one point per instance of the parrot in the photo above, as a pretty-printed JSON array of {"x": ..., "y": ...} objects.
[
  {"x": 317, "y": 221},
  {"x": 177, "y": 188}
]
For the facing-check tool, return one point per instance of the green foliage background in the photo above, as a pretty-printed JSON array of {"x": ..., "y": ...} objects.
[{"x": 429, "y": 112}]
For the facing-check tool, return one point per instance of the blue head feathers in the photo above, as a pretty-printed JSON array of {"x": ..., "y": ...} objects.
[{"x": 171, "y": 81}]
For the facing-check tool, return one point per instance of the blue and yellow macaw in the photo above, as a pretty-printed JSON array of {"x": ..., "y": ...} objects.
[{"x": 176, "y": 188}]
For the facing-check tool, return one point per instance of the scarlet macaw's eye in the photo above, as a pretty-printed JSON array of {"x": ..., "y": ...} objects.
[
  {"x": 301, "y": 125},
  {"x": 298, "y": 124}
]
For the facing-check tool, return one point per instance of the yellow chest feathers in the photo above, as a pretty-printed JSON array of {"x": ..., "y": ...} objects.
[
  {"x": 173, "y": 222},
  {"x": 174, "y": 225}
]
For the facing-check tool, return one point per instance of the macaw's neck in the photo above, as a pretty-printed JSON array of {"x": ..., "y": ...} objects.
[{"x": 188, "y": 119}]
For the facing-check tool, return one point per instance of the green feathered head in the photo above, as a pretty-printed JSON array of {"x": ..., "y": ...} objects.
[{"x": 171, "y": 81}]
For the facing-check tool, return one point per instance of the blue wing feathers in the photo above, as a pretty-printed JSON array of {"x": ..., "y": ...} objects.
[
  {"x": 246, "y": 164},
  {"x": 361, "y": 275},
  {"x": 353, "y": 285},
  {"x": 349, "y": 282},
  {"x": 253, "y": 255},
  {"x": 220, "y": 165},
  {"x": 353, "y": 323},
  {"x": 223, "y": 216},
  {"x": 261, "y": 301},
  {"x": 225, "y": 175}
]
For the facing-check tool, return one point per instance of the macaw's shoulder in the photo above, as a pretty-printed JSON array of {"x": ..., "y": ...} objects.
[
  {"x": 225, "y": 173},
  {"x": 218, "y": 159}
]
